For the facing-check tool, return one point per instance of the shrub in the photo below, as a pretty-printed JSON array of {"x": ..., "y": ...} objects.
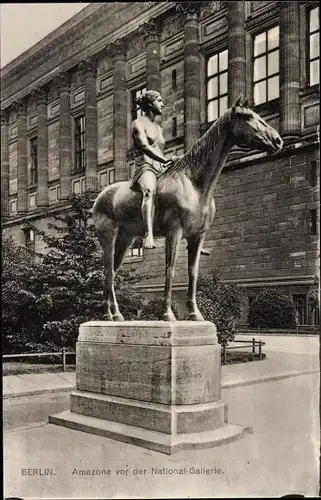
[
  {"x": 154, "y": 310},
  {"x": 220, "y": 303},
  {"x": 272, "y": 309}
]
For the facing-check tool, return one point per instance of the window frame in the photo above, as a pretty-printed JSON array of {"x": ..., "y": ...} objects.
[
  {"x": 29, "y": 243},
  {"x": 308, "y": 35},
  {"x": 110, "y": 177},
  {"x": 208, "y": 78},
  {"x": 82, "y": 184},
  {"x": 13, "y": 202},
  {"x": 33, "y": 143},
  {"x": 80, "y": 144},
  {"x": 134, "y": 108},
  {"x": 266, "y": 54},
  {"x": 136, "y": 246}
]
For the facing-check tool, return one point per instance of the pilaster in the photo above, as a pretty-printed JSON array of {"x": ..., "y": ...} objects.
[
  {"x": 5, "y": 165},
  {"x": 118, "y": 51}
]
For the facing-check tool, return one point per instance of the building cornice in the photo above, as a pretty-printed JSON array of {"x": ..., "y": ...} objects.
[{"x": 76, "y": 48}]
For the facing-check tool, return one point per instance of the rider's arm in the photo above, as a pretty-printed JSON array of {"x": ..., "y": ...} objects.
[{"x": 141, "y": 140}]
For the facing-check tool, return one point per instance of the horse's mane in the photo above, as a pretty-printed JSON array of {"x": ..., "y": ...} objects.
[{"x": 200, "y": 154}]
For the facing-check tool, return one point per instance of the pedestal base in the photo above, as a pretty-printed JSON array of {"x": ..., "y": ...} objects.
[
  {"x": 154, "y": 384},
  {"x": 156, "y": 441}
]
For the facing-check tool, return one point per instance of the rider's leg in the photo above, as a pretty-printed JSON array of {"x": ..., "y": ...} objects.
[{"x": 147, "y": 184}]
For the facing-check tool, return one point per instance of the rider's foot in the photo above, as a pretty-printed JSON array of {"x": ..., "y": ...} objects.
[
  {"x": 149, "y": 241},
  {"x": 204, "y": 251}
]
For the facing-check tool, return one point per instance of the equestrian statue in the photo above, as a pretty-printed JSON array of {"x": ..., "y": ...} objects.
[{"x": 171, "y": 198}]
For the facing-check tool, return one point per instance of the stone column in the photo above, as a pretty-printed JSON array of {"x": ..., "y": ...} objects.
[
  {"x": 151, "y": 32},
  {"x": 236, "y": 51},
  {"x": 290, "y": 69},
  {"x": 65, "y": 136},
  {"x": 88, "y": 68},
  {"x": 192, "y": 78},
  {"x": 42, "y": 196},
  {"x": 5, "y": 175},
  {"x": 118, "y": 51},
  {"x": 22, "y": 157}
]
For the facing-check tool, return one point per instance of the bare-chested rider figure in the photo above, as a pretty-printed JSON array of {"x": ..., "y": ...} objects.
[{"x": 150, "y": 161}]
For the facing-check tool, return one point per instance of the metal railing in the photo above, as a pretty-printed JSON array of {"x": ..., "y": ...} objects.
[
  {"x": 249, "y": 343},
  {"x": 63, "y": 354}
]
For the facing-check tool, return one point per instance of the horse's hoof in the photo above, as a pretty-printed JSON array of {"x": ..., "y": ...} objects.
[
  {"x": 196, "y": 317},
  {"x": 149, "y": 242},
  {"x": 118, "y": 317},
  {"x": 108, "y": 317},
  {"x": 169, "y": 317}
]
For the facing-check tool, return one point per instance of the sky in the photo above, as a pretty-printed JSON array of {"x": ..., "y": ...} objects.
[{"x": 22, "y": 25}]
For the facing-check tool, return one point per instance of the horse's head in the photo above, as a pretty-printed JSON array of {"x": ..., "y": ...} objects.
[{"x": 250, "y": 130}]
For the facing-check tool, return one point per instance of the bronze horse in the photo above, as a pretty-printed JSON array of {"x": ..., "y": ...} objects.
[{"x": 184, "y": 203}]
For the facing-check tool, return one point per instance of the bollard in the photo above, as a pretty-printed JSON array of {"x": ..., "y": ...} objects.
[
  {"x": 63, "y": 359},
  {"x": 260, "y": 349},
  {"x": 253, "y": 345}
]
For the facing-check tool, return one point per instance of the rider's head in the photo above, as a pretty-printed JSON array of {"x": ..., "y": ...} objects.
[{"x": 151, "y": 100}]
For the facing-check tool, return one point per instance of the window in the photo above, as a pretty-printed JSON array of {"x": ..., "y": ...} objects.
[
  {"x": 174, "y": 126},
  {"x": 13, "y": 206},
  {"x": 174, "y": 79},
  {"x": 79, "y": 185},
  {"x": 80, "y": 143},
  {"x": 216, "y": 85},
  {"x": 313, "y": 47},
  {"x": 136, "y": 250},
  {"x": 34, "y": 160},
  {"x": 266, "y": 66},
  {"x": 54, "y": 194},
  {"x": 178, "y": 151},
  {"x": 106, "y": 177},
  {"x": 251, "y": 299},
  {"x": 29, "y": 239},
  {"x": 136, "y": 111},
  {"x": 300, "y": 304},
  {"x": 32, "y": 201},
  {"x": 313, "y": 173},
  {"x": 313, "y": 222}
]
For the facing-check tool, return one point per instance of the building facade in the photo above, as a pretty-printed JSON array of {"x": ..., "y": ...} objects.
[{"x": 68, "y": 102}]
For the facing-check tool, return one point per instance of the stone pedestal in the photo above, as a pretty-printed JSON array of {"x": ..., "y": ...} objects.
[{"x": 151, "y": 383}]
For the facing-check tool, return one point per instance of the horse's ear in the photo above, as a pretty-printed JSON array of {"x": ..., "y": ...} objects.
[
  {"x": 237, "y": 103},
  {"x": 239, "y": 100},
  {"x": 246, "y": 102}
]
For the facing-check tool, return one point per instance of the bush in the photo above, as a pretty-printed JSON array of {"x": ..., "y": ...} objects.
[
  {"x": 220, "y": 303},
  {"x": 272, "y": 309},
  {"x": 154, "y": 310}
]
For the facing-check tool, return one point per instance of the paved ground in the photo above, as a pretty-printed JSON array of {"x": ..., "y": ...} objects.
[
  {"x": 286, "y": 357},
  {"x": 298, "y": 344},
  {"x": 280, "y": 457}
]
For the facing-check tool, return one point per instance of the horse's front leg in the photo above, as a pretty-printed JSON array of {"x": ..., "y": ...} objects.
[
  {"x": 172, "y": 246},
  {"x": 194, "y": 246}
]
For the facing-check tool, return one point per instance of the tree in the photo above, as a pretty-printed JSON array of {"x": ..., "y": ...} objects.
[
  {"x": 66, "y": 283},
  {"x": 22, "y": 307},
  {"x": 220, "y": 303},
  {"x": 272, "y": 309}
]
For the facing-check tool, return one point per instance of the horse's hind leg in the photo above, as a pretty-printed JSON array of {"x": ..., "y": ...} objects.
[
  {"x": 107, "y": 235},
  {"x": 123, "y": 242}
]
